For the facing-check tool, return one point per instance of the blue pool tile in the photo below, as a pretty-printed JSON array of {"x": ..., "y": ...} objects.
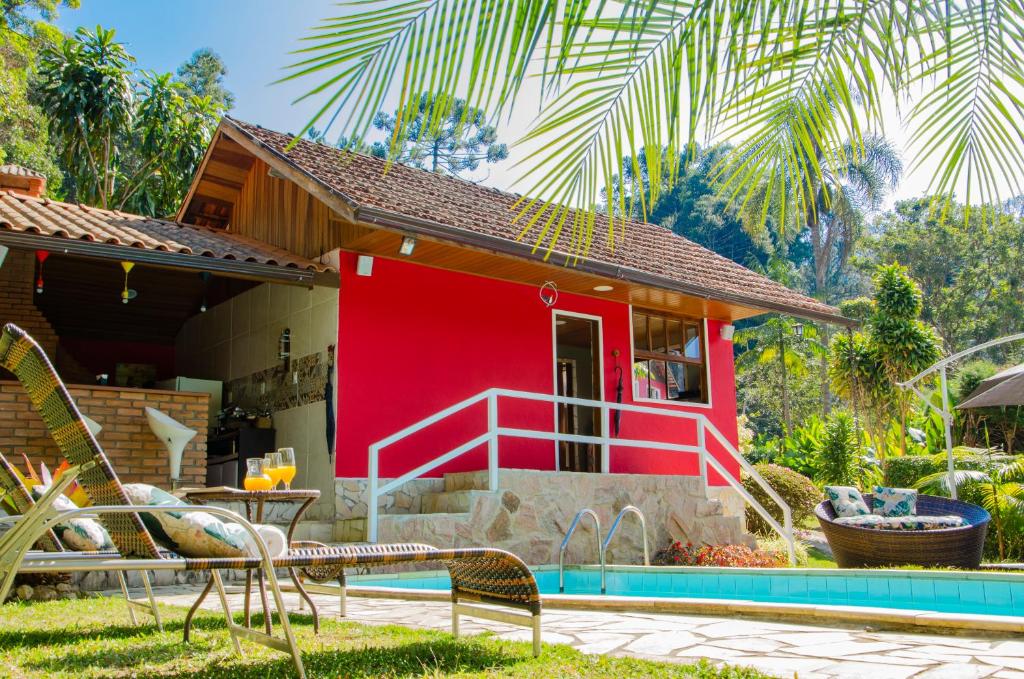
[
  {"x": 971, "y": 593},
  {"x": 817, "y": 588},
  {"x": 900, "y": 591},
  {"x": 710, "y": 585},
  {"x": 878, "y": 591},
  {"x": 923, "y": 591},
  {"x": 761, "y": 586},
  {"x": 837, "y": 591},
  {"x": 744, "y": 585},
  {"x": 947, "y": 591},
  {"x": 856, "y": 588},
  {"x": 997, "y": 594},
  {"x": 798, "y": 588},
  {"x": 727, "y": 585},
  {"x": 1017, "y": 594}
]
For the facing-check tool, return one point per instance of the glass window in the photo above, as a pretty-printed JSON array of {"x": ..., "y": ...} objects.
[{"x": 668, "y": 358}]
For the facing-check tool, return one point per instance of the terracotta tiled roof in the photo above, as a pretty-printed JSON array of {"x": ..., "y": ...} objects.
[
  {"x": 465, "y": 207},
  {"x": 19, "y": 171},
  {"x": 23, "y": 214}
]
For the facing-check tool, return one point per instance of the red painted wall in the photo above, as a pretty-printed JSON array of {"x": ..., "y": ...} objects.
[{"x": 413, "y": 340}]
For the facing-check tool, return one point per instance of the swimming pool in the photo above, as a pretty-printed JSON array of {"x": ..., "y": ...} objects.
[{"x": 974, "y": 593}]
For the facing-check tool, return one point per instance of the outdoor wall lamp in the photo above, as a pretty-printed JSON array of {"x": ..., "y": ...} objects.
[
  {"x": 3, "y": 254},
  {"x": 798, "y": 330},
  {"x": 727, "y": 331},
  {"x": 407, "y": 246},
  {"x": 364, "y": 265}
]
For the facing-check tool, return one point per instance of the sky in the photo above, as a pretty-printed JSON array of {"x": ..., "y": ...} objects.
[{"x": 254, "y": 38}]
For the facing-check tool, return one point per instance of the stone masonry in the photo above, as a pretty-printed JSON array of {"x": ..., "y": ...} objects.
[{"x": 531, "y": 512}]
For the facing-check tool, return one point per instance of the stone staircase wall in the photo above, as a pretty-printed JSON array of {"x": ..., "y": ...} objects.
[{"x": 531, "y": 512}]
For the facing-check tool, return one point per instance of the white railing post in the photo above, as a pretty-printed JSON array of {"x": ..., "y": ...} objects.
[
  {"x": 702, "y": 444},
  {"x": 492, "y": 442},
  {"x": 371, "y": 500},
  {"x": 606, "y": 435}
]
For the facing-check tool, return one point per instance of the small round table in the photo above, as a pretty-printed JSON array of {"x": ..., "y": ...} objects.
[{"x": 257, "y": 499}]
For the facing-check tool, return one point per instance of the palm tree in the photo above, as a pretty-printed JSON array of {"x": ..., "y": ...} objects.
[
  {"x": 1001, "y": 488},
  {"x": 789, "y": 79}
]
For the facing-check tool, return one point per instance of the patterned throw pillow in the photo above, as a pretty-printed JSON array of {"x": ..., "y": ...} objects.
[
  {"x": 191, "y": 534},
  {"x": 894, "y": 501},
  {"x": 78, "y": 535},
  {"x": 846, "y": 500}
]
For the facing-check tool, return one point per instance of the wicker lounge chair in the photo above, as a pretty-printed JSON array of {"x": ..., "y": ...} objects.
[
  {"x": 489, "y": 576},
  {"x": 23, "y": 502},
  {"x": 856, "y": 547}
]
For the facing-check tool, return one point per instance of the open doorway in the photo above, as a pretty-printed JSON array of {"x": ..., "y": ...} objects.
[{"x": 578, "y": 375}]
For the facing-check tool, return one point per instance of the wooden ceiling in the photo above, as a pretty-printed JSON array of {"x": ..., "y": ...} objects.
[
  {"x": 221, "y": 177},
  {"x": 82, "y": 299}
]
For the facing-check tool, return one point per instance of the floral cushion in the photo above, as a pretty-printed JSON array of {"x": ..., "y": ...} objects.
[
  {"x": 847, "y": 501},
  {"x": 78, "y": 535},
  {"x": 902, "y": 522},
  {"x": 191, "y": 534},
  {"x": 894, "y": 501}
]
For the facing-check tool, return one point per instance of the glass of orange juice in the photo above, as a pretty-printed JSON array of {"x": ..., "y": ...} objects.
[
  {"x": 287, "y": 466},
  {"x": 272, "y": 465},
  {"x": 256, "y": 477}
]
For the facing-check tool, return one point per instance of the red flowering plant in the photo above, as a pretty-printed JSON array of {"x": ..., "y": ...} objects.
[{"x": 738, "y": 556}]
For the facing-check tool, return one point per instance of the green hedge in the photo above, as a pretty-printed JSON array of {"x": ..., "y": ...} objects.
[{"x": 797, "y": 490}]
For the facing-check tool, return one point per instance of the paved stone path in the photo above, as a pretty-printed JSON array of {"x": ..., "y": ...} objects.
[{"x": 779, "y": 649}]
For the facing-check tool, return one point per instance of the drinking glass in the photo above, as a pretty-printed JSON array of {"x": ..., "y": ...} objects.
[
  {"x": 256, "y": 477},
  {"x": 273, "y": 468},
  {"x": 287, "y": 467}
]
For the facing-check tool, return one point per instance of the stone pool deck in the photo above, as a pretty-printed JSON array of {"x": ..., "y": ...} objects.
[{"x": 776, "y": 648}]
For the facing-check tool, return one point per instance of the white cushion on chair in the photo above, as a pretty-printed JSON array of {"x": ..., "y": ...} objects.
[
  {"x": 80, "y": 534},
  {"x": 193, "y": 534}
]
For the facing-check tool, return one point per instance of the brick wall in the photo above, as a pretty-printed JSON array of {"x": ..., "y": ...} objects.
[
  {"x": 17, "y": 284},
  {"x": 135, "y": 452}
]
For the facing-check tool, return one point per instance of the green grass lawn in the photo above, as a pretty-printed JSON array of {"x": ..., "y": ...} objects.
[{"x": 93, "y": 638}]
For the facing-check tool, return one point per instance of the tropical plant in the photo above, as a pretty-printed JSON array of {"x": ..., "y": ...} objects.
[
  {"x": 203, "y": 74},
  {"x": 458, "y": 143},
  {"x": 865, "y": 367},
  {"x": 798, "y": 491},
  {"x": 793, "y": 80},
  {"x": 87, "y": 93},
  {"x": 1002, "y": 494},
  {"x": 125, "y": 141},
  {"x": 784, "y": 342},
  {"x": 838, "y": 456},
  {"x": 735, "y": 556}
]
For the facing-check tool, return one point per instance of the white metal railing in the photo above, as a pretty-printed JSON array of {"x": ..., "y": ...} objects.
[{"x": 495, "y": 432}]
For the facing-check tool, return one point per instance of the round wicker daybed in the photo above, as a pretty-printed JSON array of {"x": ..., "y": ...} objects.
[{"x": 856, "y": 547}]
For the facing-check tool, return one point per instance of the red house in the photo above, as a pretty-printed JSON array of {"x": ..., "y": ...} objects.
[{"x": 476, "y": 379}]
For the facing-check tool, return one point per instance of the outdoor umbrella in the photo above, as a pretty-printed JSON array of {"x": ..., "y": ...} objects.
[{"x": 1002, "y": 389}]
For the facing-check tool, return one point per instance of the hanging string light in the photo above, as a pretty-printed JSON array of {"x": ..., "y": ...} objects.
[
  {"x": 41, "y": 256},
  {"x": 127, "y": 294}
]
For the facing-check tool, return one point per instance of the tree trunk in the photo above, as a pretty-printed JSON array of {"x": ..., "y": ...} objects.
[
  {"x": 826, "y": 392},
  {"x": 787, "y": 427}
]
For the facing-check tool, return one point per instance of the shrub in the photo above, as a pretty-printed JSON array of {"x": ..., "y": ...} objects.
[
  {"x": 838, "y": 455},
  {"x": 775, "y": 545},
  {"x": 798, "y": 491},
  {"x": 738, "y": 556}
]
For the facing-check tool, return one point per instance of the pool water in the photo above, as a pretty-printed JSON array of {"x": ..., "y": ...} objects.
[{"x": 939, "y": 591}]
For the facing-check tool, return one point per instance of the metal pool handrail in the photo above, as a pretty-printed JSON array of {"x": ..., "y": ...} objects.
[
  {"x": 565, "y": 544},
  {"x": 628, "y": 509}
]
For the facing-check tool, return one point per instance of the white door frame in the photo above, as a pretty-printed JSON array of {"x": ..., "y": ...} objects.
[{"x": 555, "y": 313}]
